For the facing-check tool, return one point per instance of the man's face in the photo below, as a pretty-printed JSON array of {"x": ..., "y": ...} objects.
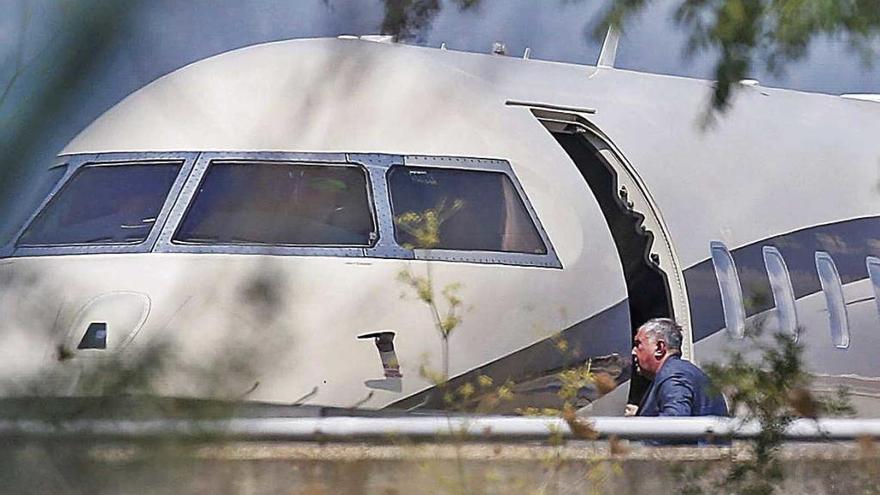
[{"x": 644, "y": 353}]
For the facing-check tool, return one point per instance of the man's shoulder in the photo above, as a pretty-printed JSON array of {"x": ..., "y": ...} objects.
[{"x": 680, "y": 367}]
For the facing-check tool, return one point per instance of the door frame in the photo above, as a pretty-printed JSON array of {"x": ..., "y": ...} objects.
[{"x": 635, "y": 194}]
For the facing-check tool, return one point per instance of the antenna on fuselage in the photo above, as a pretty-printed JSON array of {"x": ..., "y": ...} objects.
[{"x": 609, "y": 48}]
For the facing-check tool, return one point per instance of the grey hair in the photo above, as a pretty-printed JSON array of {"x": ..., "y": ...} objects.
[{"x": 666, "y": 329}]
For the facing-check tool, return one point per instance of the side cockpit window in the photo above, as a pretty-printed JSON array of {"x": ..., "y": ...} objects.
[
  {"x": 103, "y": 204},
  {"x": 455, "y": 209},
  {"x": 280, "y": 204},
  {"x": 29, "y": 199}
]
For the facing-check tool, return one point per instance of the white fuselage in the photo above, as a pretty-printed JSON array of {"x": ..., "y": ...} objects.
[{"x": 281, "y": 325}]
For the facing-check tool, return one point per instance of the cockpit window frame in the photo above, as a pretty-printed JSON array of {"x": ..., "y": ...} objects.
[
  {"x": 376, "y": 166},
  {"x": 548, "y": 259},
  {"x": 167, "y": 243},
  {"x": 74, "y": 164}
]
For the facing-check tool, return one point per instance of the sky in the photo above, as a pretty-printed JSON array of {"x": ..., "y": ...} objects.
[
  {"x": 160, "y": 36},
  {"x": 164, "y": 35}
]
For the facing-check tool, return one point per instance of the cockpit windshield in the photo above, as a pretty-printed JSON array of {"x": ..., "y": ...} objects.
[
  {"x": 104, "y": 204},
  {"x": 279, "y": 203},
  {"x": 470, "y": 210}
]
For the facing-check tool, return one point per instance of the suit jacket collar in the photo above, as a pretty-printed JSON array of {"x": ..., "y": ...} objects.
[{"x": 660, "y": 376}]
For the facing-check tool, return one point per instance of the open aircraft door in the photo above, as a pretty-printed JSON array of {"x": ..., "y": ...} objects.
[{"x": 655, "y": 284}]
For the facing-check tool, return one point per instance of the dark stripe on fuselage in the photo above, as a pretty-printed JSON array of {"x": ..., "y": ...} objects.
[
  {"x": 603, "y": 334},
  {"x": 849, "y": 242}
]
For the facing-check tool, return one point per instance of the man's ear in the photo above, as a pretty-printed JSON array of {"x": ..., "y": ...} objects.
[{"x": 660, "y": 350}]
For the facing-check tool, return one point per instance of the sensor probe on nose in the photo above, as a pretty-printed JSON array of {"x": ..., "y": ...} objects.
[{"x": 385, "y": 343}]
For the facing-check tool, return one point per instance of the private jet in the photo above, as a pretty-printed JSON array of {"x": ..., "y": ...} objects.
[{"x": 338, "y": 222}]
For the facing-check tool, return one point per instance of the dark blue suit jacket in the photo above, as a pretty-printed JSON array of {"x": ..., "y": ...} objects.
[{"x": 681, "y": 389}]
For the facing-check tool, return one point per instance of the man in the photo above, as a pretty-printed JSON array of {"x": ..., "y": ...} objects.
[{"x": 678, "y": 388}]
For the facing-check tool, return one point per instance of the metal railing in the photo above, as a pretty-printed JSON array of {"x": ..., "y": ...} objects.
[{"x": 433, "y": 428}]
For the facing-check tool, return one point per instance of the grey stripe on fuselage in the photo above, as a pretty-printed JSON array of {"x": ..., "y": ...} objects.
[
  {"x": 603, "y": 334},
  {"x": 849, "y": 242}
]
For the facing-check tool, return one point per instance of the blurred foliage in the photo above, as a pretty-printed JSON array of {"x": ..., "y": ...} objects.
[
  {"x": 773, "y": 390},
  {"x": 88, "y": 29},
  {"x": 407, "y": 19},
  {"x": 39, "y": 83},
  {"x": 741, "y": 34},
  {"x": 445, "y": 320},
  {"x": 424, "y": 228},
  {"x": 744, "y": 33},
  {"x": 776, "y": 392}
]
